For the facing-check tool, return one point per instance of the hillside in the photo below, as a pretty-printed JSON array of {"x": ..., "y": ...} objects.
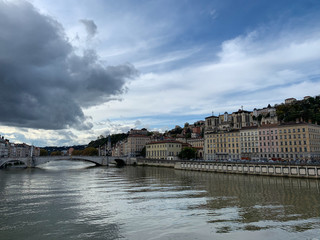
[
  {"x": 103, "y": 140},
  {"x": 307, "y": 110}
]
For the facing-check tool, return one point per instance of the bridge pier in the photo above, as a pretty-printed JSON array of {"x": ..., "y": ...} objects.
[
  {"x": 105, "y": 161},
  {"x": 31, "y": 162}
]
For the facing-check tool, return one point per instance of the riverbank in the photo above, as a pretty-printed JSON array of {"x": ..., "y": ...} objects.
[{"x": 265, "y": 169}]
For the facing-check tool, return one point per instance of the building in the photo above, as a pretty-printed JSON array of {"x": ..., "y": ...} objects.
[
  {"x": 143, "y": 131},
  {"x": 289, "y": 100},
  {"x": 265, "y": 116},
  {"x": 299, "y": 141},
  {"x": 268, "y": 141},
  {"x": 134, "y": 145},
  {"x": 241, "y": 119},
  {"x": 118, "y": 149},
  {"x": 4, "y": 147},
  {"x": 167, "y": 149},
  {"x": 249, "y": 143},
  {"x": 197, "y": 143},
  {"x": 211, "y": 124},
  {"x": 222, "y": 145}
]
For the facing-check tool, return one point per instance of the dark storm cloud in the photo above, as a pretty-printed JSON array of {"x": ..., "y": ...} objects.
[
  {"x": 43, "y": 82},
  {"x": 90, "y": 26}
]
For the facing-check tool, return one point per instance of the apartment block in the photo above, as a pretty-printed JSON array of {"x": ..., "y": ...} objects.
[
  {"x": 249, "y": 143},
  {"x": 222, "y": 145},
  {"x": 166, "y": 149},
  {"x": 299, "y": 141},
  {"x": 268, "y": 141},
  {"x": 134, "y": 144}
]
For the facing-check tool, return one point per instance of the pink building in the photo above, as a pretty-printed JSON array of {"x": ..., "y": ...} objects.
[{"x": 268, "y": 139}]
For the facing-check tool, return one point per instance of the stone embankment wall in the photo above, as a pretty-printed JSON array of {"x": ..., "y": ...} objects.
[
  {"x": 304, "y": 171},
  {"x": 156, "y": 163}
]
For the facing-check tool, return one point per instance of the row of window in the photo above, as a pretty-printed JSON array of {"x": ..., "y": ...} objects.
[
  {"x": 161, "y": 153},
  {"x": 163, "y": 146},
  {"x": 252, "y": 150},
  {"x": 264, "y": 138}
]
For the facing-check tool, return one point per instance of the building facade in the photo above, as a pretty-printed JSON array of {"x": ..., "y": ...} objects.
[
  {"x": 197, "y": 143},
  {"x": 268, "y": 142},
  {"x": 299, "y": 141},
  {"x": 222, "y": 145},
  {"x": 249, "y": 143},
  {"x": 168, "y": 150},
  {"x": 285, "y": 142},
  {"x": 134, "y": 145}
]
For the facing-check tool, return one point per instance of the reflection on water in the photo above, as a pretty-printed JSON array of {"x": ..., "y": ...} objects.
[{"x": 68, "y": 200}]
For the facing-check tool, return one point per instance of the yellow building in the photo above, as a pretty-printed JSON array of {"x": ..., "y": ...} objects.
[
  {"x": 299, "y": 141},
  {"x": 167, "y": 149},
  {"x": 222, "y": 145},
  {"x": 196, "y": 142}
]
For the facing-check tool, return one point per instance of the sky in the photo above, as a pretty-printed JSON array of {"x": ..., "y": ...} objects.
[{"x": 72, "y": 70}]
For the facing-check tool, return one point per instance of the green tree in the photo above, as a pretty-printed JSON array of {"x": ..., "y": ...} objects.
[
  {"x": 188, "y": 153},
  {"x": 90, "y": 151},
  {"x": 77, "y": 152},
  {"x": 143, "y": 152},
  {"x": 43, "y": 152},
  {"x": 56, "y": 153}
]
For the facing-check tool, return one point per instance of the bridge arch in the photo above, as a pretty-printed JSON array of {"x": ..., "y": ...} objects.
[
  {"x": 13, "y": 162},
  {"x": 120, "y": 162},
  {"x": 84, "y": 160},
  {"x": 42, "y": 160}
]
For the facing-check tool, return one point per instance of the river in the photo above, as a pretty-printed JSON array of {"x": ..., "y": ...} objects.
[{"x": 68, "y": 200}]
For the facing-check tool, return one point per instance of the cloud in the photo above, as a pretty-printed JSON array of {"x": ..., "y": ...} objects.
[
  {"x": 44, "y": 83},
  {"x": 213, "y": 14},
  {"x": 250, "y": 70},
  {"x": 90, "y": 26}
]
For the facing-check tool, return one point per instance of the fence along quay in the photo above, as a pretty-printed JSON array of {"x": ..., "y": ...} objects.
[{"x": 265, "y": 169}]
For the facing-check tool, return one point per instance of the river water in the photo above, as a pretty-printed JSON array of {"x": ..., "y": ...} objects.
[{"x": 68, "y": 200}]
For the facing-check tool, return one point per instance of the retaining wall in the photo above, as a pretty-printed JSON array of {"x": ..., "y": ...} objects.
[{"x": 304, "y": 171}]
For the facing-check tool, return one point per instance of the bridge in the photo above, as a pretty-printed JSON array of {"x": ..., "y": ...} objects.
[{"x": 36, "y": 161}]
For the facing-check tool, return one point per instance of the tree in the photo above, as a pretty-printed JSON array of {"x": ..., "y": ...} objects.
[
  {"x": 90, "y": 151},
  {"x": 77, "y": 152},
  {"x": 56, "y": 153},
  {"x": 143, "y": 152},
  {"x": 43, "y": 152},
  {"x": 188, "y": 153}
]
